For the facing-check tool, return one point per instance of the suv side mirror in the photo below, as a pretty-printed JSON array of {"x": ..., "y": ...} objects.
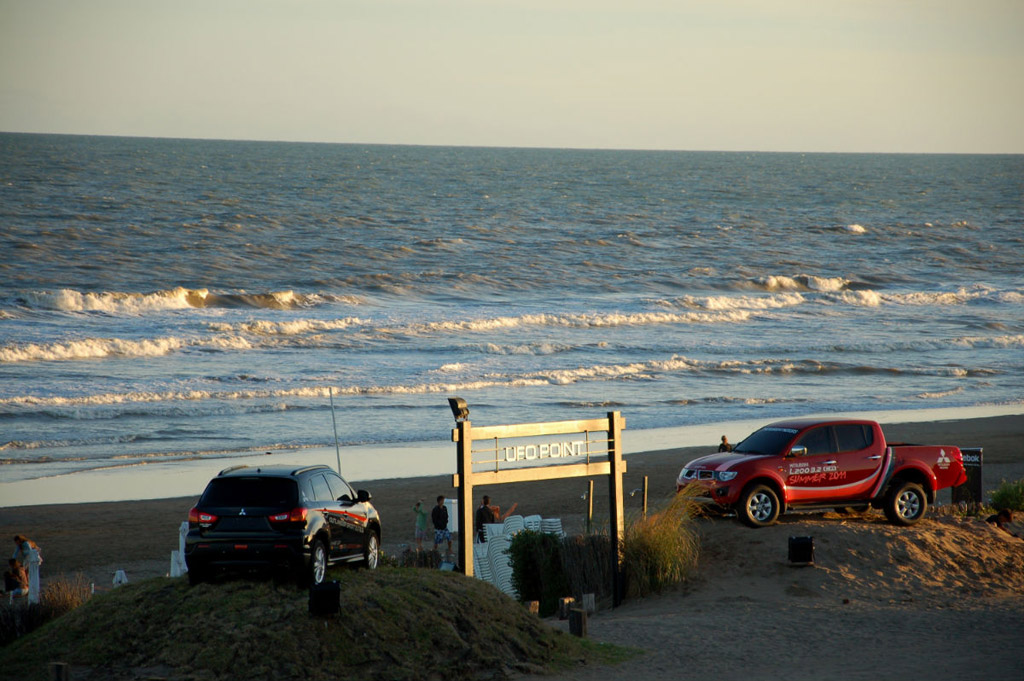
[
  {"x": 363, "y": 496},
  {"x": 798, "y": 451}
]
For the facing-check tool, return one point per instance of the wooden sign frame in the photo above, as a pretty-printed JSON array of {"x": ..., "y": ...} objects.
[{"x": 606, "y": 460}]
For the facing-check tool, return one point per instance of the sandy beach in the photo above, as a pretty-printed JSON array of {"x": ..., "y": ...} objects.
[{"x": 880, "y": 602}]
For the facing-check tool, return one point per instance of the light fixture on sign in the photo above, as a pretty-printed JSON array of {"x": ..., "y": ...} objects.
[{"x": 459, "y": 409}]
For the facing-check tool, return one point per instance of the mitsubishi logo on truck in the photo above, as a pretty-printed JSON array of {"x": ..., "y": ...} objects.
[{"x": 943, "y": 461}]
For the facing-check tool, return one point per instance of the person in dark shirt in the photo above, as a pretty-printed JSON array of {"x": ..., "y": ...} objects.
[
  {"x": 439, "y": 517},
  {"x": 486, "y": 514},
  {"x": 725, "y": 446}
]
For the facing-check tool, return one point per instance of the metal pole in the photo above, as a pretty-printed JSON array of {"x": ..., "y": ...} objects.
[
  {"x": 590, "y": 508},
  {"x": 645, "y": 497},
  {"x": 337, "y": 447}
]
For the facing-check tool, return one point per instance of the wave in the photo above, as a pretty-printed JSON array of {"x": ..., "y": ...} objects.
[
  {"x": 601, "y": 372},
  {"x": 90, "y": 348},
  {"x": 179, "y": 298},
  {"x": 578, "y": 320},
  {"x": 773, "y": 302},
  {"x": 800, "y": 282},
  {"x": 721, "y": 399},
  {"x": 289, "y": 328},
  {"x": 543, "y": 348},
  {"x": 962, "y": 296},
  {"x": 941, "y": 394}
]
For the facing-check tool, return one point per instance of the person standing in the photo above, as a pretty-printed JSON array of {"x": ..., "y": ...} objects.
[
  {"x": 421, "y": 524},
  {"x": 725, "y": 446},
  {"x": 22, "y": 546},
  {"x": 439, "y": 517},
  {"x": 15, "y": 579},
  {"x": 485, "y": 515},
  {"x": 27, "y": 553}
]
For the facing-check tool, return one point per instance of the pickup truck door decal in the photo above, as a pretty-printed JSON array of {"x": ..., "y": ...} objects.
[{"x": 837, "y": 475}]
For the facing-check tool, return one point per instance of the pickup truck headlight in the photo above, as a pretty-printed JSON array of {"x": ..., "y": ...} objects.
[{"x": 725, "y": 476}]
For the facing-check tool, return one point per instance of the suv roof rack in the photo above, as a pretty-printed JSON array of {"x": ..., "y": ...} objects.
[
  {"x": 306, "y": 469},
  {"x": 232, "y": 468}
]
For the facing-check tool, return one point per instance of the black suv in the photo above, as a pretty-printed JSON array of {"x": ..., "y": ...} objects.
[{"x": 298, "y": 520}]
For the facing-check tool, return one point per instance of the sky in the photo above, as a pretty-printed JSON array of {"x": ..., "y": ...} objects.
[{"x": 932, "y": 76}]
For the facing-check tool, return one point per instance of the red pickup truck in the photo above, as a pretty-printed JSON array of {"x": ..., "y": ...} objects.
[{"x": 806, "y": 464}]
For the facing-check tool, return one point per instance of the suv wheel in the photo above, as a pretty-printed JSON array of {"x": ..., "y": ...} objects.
[
  {"x": 371, "y": 551},
  {"x": 906, "y": 503},
  {"x": 759, "y": 506},
  {"x": 317, "y": 563}
]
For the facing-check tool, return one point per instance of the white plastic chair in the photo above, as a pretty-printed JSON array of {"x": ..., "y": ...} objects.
[
  {"x": 532, "y": 522},
  {"x": 493, "y": 530},
  {"x": 552, "y": 526},
  {"x": 503, "y": 580},
  {"x": 513, "y": 525},
  {"x": 482, "y": 569}
]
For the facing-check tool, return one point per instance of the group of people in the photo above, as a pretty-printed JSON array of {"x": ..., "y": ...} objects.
[
  {"x": 439, "y": 520},
  {"x": 17, "y": 581},
  {"x": 486, "y": 513}
]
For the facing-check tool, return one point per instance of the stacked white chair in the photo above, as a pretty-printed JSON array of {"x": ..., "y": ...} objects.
[
  {"x": 491, "y": 561},
  {"x": 493, "y": 530},
  {"x": 552, "y": 526},
  {"x": 513, "y": 525},
  {"x": 482, "y": 563},
  {"x": 501, "y": 564}
]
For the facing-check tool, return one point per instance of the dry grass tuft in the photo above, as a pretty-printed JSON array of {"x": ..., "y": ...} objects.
[{"x": 662, "y": 549}]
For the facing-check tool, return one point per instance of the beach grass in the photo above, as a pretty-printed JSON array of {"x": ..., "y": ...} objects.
[{"x": 661, "y": 549}]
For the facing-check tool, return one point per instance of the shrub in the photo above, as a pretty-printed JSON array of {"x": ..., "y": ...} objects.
[
  {"x": 660, "y": 551},
  {"x": 587, "y": 564},
  {"x": 61, "y": 595},
  {"x": 537, "y": 573},
  {"x": 1009, "y": 495}
]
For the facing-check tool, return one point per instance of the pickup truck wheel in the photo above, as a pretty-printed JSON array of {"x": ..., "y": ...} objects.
[
  {"x": 906, "y": 503},
  {"x": 759, "y": 506}
]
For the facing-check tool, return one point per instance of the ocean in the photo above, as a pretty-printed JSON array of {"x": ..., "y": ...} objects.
[{"x": 197, "y": 301}]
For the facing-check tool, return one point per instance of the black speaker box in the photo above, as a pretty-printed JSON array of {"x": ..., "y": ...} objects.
[
  {"x": 801, "y": 550},
  {"x": 324, "y": 599}
]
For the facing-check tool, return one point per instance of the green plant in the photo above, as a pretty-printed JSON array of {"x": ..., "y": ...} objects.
[
  {"x": 537, "y": 569},
  {"x": 61, "y": 595},
  {"x": 660, "y": 550},
  {"x": 1009, "y": 495},
  {"x": 587, "y": 565}
]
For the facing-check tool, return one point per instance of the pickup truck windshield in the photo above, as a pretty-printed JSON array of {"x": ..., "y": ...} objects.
[{"x": 770, "y": 441}]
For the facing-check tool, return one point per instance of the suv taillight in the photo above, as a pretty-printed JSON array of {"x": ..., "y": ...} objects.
[
  {"x": 297, "y": 515},
  {"x": 201, "y": 518}
]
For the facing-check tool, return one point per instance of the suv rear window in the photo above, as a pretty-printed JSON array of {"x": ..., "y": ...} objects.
[{"x": 250, "y": 492}]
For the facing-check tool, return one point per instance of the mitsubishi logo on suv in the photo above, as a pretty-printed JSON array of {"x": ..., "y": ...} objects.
[{"x": 242, "y": 512}]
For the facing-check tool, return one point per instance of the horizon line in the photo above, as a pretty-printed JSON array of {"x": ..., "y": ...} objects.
[{"x": 258, "y": 140}]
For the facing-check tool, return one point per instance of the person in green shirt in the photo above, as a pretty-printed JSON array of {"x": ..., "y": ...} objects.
[{"x": 421, "y": 524}]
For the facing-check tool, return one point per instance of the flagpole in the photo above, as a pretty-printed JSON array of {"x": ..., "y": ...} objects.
[{"x": 337, "y": 447}]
